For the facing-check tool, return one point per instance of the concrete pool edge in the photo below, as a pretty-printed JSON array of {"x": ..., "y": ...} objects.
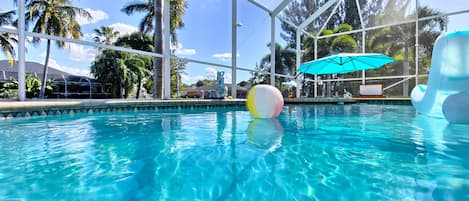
[{"x": 17, "y": 109}]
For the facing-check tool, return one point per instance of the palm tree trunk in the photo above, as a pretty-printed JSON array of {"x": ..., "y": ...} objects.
[
  {"x": 177, "y": 84},
  {"x": 139, "y": 85},
  {"x": 158, "y": 44},
  {"x": 44, "y": 74},
  {"x": 120, "y": 81},
  {"x": 405, "y": 69},
  {"x": 121, "y": 94}
]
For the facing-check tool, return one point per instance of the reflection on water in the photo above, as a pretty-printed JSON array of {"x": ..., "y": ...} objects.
[
  {"x": 447, "y": 149},
  {"x": 265, "y": 134},
  {"x": 310, "y": 152}
]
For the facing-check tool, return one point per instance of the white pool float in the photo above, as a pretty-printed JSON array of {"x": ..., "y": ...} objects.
[{"x": 449, "y": 75}]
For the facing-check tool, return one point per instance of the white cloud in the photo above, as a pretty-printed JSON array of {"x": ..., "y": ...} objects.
[
  {"x": 224, "y": 56},
  {"x": 210, "y": 73},
  {"x": 227, "y": 78},
  {"x": 123, "y": 28},
  {"x": 72, "y": 70},
  {"x": 191, "y": 79},
  {"x": 181, "y": 51},
  {"x": 89, "y": 36},
  {"x": 97, "y": 15},
  {"x": 80, "y": 52}
]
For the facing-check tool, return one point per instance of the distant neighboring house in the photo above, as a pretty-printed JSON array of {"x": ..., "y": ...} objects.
[
  {"x": 210, "y": 91},
  {"x": 65, "y": 85},
  {"x": 31, "y": 67}
]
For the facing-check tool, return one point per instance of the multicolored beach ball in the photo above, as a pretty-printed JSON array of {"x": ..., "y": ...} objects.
[{"x": 264, "y": 101}]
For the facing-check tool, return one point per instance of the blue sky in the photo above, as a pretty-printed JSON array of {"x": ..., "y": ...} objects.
[{"x": 206, "y": 35}]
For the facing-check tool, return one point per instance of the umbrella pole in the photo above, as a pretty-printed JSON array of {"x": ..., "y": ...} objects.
[{"x": 315, "y": 76}]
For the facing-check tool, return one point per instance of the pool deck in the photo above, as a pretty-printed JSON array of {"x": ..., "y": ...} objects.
[
  {"x": 396, "y": 101},
  {"x": 14, "y": 109}
]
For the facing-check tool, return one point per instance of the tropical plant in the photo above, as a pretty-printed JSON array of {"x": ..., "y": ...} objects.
[
  {"x": 109, "y": 67},
  {"x": 397, "y": 41},
  {"x": 284, "y": 64},
  {"x": 138, "y": 41},
  {"x": 6, "y": 39},
  {"x": 347, "y": 13},
  {"x": 33, "y": 87},
  {"x": 178, "y": 68},
  {"x": 105, "y": 35},
  {"x": 153, "y": 11},
  {"x": 139, "y": 70},
  {"x": 54, "y": 17},
  {"x": 260, "y": 75}
]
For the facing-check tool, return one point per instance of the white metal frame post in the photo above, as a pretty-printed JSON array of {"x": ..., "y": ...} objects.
[
  {"x": 273, "y": 15},
  {"x": 363, "y": 51},
  {"x": 234, "y": 49},
  {"x": 417, "y": 42},
  {"x": 166, "y": 51},
  {"x": 357, "y": 3},
  {"x": 316, "y": 14},
  {"x": 21, "y": 51},
  {"x": 272, "y": 50},
  {"x": 315, "y": 76},
  {"x": 298, "y": 62},
  {"x": 154, "y": 59}
]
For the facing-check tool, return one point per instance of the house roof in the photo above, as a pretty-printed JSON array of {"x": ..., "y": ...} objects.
[{"x": 31, "y": 67}]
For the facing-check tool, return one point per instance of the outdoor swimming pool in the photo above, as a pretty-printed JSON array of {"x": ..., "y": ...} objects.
[{"x": 310, "y": 152}]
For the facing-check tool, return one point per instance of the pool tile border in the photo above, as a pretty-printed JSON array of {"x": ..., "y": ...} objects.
[
  {"x": 36, "y": 109},
  {"x": 10, "y": 110}
]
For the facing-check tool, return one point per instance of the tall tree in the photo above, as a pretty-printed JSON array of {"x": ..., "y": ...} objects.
[
  {"x": 328, "y": 46},
  {"x": 178, "y": 68},
  {"x": 153, "y": 16},
  {"x": 347, "y": 13},
  {"x": 139, "y": 65},
  {"x": 398, "y": 41},
  {"x": 284, "y": 64},
  {"x": 137, "y": 41},
  {"x": 110, "y": 67},
  {"x": 6, "y": 39},
  {"x": 54, "y": 17},
  {"x": 105, "y": 35}
]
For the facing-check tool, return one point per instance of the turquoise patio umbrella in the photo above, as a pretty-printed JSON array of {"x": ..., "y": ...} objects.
[{"x": 345, "y": 63}]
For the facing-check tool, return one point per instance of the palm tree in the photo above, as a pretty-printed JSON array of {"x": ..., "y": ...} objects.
[
  {"x": 105, "y": 35},
  {"x": 153, "y": 11},
  {"x": 328, "y": 46},
  {"x": 136, "y": 40},
  {"x": 6, "y": 39},
  {"x": 109, "y": 67},
  {"x": 284, "y": 63},
  {"x": 396, "y": 40},
  {"x": 138, "y": 67},
  {"x": 122, "y": 70},
  {"x": 54, "y": 17},
  {"x": 178, "y": 68}
]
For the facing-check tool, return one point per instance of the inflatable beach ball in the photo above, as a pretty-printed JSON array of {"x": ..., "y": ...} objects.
[{"x": 264, "y": 101}]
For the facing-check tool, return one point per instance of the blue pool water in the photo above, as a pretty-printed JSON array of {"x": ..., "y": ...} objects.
[{"x": 319, "y": 152}]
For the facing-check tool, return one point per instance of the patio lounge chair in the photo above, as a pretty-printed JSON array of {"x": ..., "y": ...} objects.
[{"x": 371, "y": 91}]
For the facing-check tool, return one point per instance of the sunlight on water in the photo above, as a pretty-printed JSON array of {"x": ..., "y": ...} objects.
[{"x": 316, "y": 152}]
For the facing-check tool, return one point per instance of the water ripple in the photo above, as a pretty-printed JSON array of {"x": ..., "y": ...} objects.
[{"x": 318, "y": 152}]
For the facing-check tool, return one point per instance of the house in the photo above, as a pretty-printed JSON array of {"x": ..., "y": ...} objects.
[{"x": 65, "y": 85}]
